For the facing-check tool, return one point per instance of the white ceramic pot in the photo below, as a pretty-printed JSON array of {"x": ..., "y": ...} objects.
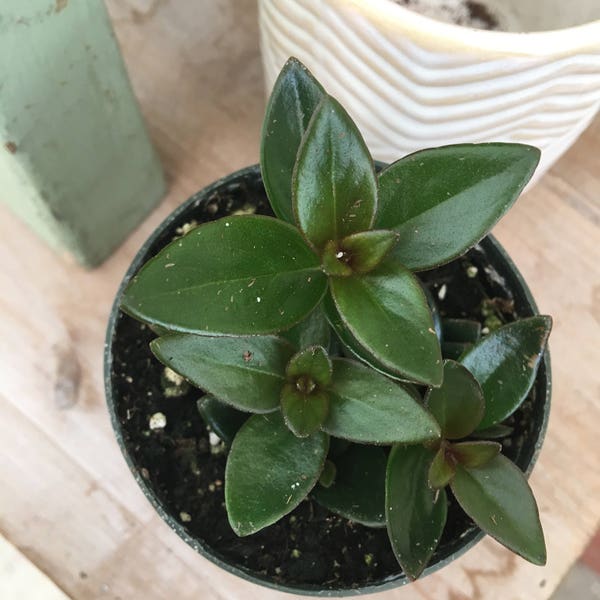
[{"x": 412, "y": 82}]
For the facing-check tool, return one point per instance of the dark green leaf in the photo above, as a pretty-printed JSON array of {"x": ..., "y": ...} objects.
[
  {"x": 334, "y": 189},
  {"x": 295, "y": 96},
  {"x": 498, "y": 498},
  {"x": 505, "y": 363},
  {"x": 246, "y": 372},
  {"x": 415, "y": 514},
  {"x": 238, "y": 275},
  {"x": 312, "y": 331},
  {"x": 365, "y": 250},
  {"x": 358, "y": 492},
  {"x": 312, "y": 362},
  {"x": 328, "y": 474},
  {"x": 475, "y": 454},
  {"x": 458, "y": 404},
  {"x": 353, "y": 348},
  {"x": 269, "y": 472},
  {"x": 461, "y": 330},
  {"x": 348, "y": 340},
  {"x": 365, "y": 406},
  {"x": 442, "y": 469},
  {"x": 303, "y": 412},
  {"x": 442, "y": 201},
  {"x": 223, "y": 419},
  {"x": 454, "y": 350},
  {"x": 387, "y": 313},
  {"x": 495, "y": 432}
]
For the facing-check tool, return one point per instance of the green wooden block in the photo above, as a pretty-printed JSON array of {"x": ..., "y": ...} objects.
[{"x": 75, "y": 159}]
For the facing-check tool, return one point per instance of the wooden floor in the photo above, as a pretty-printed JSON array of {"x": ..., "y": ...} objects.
[{"x": 67, "y": 500}]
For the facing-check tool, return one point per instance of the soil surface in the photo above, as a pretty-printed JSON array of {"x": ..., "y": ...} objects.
[
  {"x": 311, "y": 547},
  {"x": 468, "y": 13}
]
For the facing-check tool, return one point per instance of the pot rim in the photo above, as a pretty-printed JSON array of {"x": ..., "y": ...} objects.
[
  {"x": 203, "y": 548},
  {"x": 387, "y": 14}
]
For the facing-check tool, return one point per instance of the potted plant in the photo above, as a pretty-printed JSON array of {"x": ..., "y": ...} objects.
[{"x": 344, "y": 395}]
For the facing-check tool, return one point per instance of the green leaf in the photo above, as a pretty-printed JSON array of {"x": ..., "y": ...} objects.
[
  {"x": 312, "y": 331},
  {"x": 245, "y": 372},
  {"x": 312, "y": 362},
  {"x": 442, "y": 469},
  {"x": 365, "y": 406},
  {"x": 328, "y": 474},
  {"x": 365, "y": 250},
  {"x": 461, "y": 330},
  {"x": 334, "y": 189},
  {"x": 495, "y": 432},
  {"x": 475, "y": 454},
  {"x": 303, "y": 412},
  {"x": 223, "y": 419},
  {"x": 355, "y": 349},
  {"x": 505, "y": 363},
  {"x": 454, "y": 350},
  {"x": 458, "y": 404},
  {"x": 358, "y": 492},
  {"x": 444, "y": 200},
  {"x": 348, "y": 340},
  {"x": 387, "y": 313},
  {"x": 269, "y": 472},
  {"x": 498, "y": 498},
  {"x": 238, "y": 275},
  {"x": 415, "y": 514},
  {"x": 295, "y": 96}
]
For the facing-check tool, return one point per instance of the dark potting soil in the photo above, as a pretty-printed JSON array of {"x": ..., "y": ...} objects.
[{"x": 310, "y": 546}]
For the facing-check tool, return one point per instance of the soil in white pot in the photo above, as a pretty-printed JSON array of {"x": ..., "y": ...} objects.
[{"x": 468, "y": 13}]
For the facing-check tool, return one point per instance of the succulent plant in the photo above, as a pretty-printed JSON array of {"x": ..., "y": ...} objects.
[{"x": 262, "y": 314}]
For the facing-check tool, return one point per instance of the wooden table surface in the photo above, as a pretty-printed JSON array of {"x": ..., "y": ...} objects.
[{"x": 67, "y": 500}]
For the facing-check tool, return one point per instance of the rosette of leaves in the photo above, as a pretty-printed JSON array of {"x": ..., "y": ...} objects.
[
  {"x": 346, "y": 239},
  {"x": 246, "y": 307},
  {"x": 477, "y": 395},
  {"x": 297, "y": 400},
  {"x": 445, "y": 444}
]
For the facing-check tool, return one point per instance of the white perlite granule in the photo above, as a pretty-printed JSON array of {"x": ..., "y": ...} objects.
[
  {"x": 158, "y": 421},
  {"x": 173, "y": 377}
]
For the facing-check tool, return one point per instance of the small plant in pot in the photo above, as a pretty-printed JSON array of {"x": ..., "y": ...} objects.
[{"x": 326, "y": 365}]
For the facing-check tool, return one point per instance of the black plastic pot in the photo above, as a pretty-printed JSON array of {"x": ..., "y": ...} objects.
[{"x": 225, "y": 196}]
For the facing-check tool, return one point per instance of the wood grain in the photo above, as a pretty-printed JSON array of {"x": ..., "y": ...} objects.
[
  {"x": 67, "y": 499},
  {"x": 21, "y": 579}
]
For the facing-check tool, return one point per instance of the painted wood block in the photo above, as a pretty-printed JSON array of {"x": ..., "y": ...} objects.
[{"x": 76, "y": 162}]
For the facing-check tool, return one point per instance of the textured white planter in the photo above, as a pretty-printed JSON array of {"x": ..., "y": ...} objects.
[{"x": 412, "y": 82}]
